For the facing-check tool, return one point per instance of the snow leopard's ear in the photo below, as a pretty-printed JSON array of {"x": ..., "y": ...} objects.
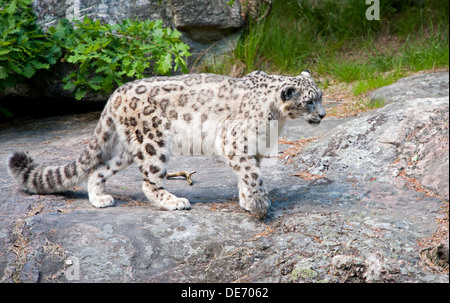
[
  {"x": 306, "y": 73},
  {"x": 288, "y": 92}
]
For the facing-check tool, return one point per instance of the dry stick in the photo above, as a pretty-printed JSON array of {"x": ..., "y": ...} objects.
[
  {"x": 269, "y": 2},
  {"x": 429, "y": 262},
  {"x": 202, "y": 54},
  {"x": 182, "y": 173}
]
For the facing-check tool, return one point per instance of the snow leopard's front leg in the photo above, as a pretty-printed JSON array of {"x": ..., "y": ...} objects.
[{"x": 253, "y": 195}]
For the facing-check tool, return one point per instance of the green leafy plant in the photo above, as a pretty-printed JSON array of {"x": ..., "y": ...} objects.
[
  {"x": 24, "y": 48},
  {"x": 106, "y": 55}
]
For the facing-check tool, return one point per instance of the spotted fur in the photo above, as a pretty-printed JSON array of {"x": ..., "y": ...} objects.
[{"x": 213, "y": 114}]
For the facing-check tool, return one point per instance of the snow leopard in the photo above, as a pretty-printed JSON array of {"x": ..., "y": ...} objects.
[{"x": 144, "y": 118}]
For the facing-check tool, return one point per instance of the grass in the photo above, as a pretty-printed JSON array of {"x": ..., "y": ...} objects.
[
  {"x": 372, "y": 82},
  {"x": 335, "y": 41}
]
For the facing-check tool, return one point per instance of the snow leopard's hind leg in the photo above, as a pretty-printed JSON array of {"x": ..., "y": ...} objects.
[
  {"x": 152, "y": 163},
  {"x": 116, "y": 160}
]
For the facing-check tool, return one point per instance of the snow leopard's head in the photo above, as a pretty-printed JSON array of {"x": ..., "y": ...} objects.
[{"x": 300, "y": 96}]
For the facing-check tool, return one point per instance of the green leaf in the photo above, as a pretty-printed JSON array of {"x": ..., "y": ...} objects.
[
  {"x": 5, "y": 51},
  {"x": 12, "y": 7},
  {"x": 39, "y": 65},
  {"x": 97, "y": 79},
  {"x": 29, "y": 70},
  {"x": 5, "y": 111},
  {"x": 80, "y": 93},
  {"x": 118, "y": 82},
  {"x": 165, "y": 63},
  {"x": 3, "y": 72},
  {"x": 15, "y": 67},
  {"x": 182, "y": 49},
  {"x": 69, "y": 85},
  {"x": 94, "y": 86},
  {"x": 76, "y": 58},
  {"x": 108, "y": 84}
]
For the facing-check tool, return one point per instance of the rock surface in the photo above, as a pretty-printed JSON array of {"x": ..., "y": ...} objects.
[
  {"x": 206, "y": 21},
  {"x": 433, "y": 85},
  {"x": 359, "y": 222},
  {"x": 214, "y": 18}
]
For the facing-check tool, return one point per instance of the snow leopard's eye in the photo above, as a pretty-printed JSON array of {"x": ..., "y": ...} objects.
[{"x": 288, "y": 92}]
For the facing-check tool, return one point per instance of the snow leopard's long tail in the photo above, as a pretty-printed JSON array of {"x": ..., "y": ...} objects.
[{"x": 37, "y": 179}]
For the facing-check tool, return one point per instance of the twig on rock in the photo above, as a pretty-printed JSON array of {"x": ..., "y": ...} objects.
[{"x": 182, "y": 173}]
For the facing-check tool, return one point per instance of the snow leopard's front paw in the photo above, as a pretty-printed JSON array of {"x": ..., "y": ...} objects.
[
  {"x": 174, "y": 203},
  {"x": 101, "y": 201},
  {"x": 258, "y": 204}
]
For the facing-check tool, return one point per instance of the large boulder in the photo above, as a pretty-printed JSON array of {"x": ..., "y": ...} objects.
[
  {"x": 358, "y": 221},
  {"x": 204, "y": 20},
  {"x": 408, "y": 137},
  {"x": 432, "y": 85}
]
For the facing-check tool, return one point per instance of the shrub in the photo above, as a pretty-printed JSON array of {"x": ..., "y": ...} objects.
[
  {"x": 24, "y": 49},
  {"x": 109, "y": 55},
  {"x": 104, "y": 56}
]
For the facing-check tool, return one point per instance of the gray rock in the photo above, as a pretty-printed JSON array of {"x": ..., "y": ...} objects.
[
  {"x": 192, "y": 15},
  {"x": 348, "y": 268},
  {"x": 409, "y": 135},
  {"x": 359, "y": 224},
  {"x": 373, "y": 269},
  {"x": 432, "y": 85},
  {"x": 206, "y": 21}
]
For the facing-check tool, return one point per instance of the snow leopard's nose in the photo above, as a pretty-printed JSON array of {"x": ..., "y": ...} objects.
[{"x": 320, "y": 111}]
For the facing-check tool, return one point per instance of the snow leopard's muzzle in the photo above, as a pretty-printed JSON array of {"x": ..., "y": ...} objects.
[{"x": 316, "y": 111}]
